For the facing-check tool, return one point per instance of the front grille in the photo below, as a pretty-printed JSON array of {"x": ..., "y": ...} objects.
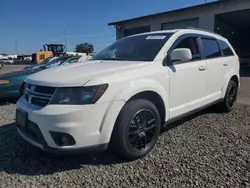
[{"x": 38, "y": 95}]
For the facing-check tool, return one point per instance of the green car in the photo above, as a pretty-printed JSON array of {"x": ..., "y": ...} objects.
[{"x": 12, "y": 84}]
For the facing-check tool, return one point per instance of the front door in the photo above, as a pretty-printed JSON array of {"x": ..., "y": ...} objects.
[{"x": 187, "y": 80}]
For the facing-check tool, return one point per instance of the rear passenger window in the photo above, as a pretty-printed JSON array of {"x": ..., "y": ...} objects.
[
  {"x": 227, "y": 51},
  {"x": 211, "y": 48}
]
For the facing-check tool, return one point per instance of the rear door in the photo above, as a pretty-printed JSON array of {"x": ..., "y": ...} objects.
[
  {"x": 230, "y": 60},
  {"x": 216, "y": 68},
  {"x": 187, "y": 79}
]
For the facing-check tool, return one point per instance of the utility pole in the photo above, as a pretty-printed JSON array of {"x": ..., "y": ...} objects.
[
  {"x": 65, "y": 40},
  {"x": 16, "y": 44}
]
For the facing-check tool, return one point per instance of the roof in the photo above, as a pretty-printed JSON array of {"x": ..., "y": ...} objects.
[
  {"x": 55, "y": 44},
  {"x": 156, "y": 32},
  {"x": 171, "y": 11},
  {"x": 187, "y": 30}
]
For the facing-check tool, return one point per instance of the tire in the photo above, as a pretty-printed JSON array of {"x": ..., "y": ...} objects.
[
  {"x": 230, "y": 98},
  {"x": 131, "y": 133}
]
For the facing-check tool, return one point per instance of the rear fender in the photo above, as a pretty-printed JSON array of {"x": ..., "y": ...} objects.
[{"x": 229, "y": 75}]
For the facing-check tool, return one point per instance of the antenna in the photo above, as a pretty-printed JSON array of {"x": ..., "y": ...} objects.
[
  {"x": 16, "y": 44},
  {"x": 65, "y": 40}
]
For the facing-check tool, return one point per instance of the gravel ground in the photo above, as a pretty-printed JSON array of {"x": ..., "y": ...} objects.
[{"x": 208, "y": 149}]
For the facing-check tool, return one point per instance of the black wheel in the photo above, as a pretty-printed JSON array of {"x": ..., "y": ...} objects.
[
  {"x": 230, "y": 97},
  {"x": 137, "y": 129}
]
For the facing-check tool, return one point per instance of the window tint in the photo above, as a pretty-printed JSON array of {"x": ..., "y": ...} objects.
[
  {"x": 211, "y": 48},
  {"x": 227, "y": 51},
  {"x": 191, "y": 44}
]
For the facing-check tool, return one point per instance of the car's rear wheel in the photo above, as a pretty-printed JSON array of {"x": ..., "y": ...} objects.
[
  {"x": 137, "y": 129},
  {"x": 230, "y": 96}
]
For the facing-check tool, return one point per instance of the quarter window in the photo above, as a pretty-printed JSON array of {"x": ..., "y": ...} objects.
[
  {"x": 227, "y": 51},
  {"x": 211, "y": 48}
]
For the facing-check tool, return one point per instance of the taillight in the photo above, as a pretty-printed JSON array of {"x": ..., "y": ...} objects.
[{"x": 239, "y": 60}]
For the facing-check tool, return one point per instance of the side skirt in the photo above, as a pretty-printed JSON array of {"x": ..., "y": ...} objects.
[{"x": 171, "y": 120}]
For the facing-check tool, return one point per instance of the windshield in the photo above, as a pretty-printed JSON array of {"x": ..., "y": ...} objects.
[
  {"x": 45, "y": 61},
  {"x": 71, "y": 60},
  {"x": 56, "y": 61},
  {"x": 55, "y": 48},
  {"x": 135, "y": 48}
]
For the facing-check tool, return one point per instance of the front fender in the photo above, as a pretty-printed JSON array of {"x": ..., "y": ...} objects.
[
  {"x": 142, "y": 85},
  {"x": 122, "y": 96}
]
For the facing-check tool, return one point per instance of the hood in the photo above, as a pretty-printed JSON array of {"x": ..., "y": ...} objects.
[
  {"x": 80, "y": 73},
  {"x": 17, "y": 73}
]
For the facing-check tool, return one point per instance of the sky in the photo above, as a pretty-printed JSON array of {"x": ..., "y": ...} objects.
[{"x": 25, "y": 25}]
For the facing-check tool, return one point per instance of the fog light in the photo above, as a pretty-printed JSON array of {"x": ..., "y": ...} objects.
[{"x": 63, "y": 139}]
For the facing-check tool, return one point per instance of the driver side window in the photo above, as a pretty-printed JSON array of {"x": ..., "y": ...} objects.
[{"x": 190, "y": 43}]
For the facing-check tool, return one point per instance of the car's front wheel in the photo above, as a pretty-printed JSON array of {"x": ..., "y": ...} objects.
[{"x": 137, "y": 129}]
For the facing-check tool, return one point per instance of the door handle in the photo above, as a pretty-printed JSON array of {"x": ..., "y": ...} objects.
[
  {"x": 224, "y": 64},
  {"x": 202, "y": 68}
]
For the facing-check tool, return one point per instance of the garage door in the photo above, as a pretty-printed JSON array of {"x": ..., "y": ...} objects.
[
  {"x": 181, "y": 24},
  {"x": 136, "y": 30}
]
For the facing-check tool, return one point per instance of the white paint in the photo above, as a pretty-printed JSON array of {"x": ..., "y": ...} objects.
[{"x": 182, "y": 87}]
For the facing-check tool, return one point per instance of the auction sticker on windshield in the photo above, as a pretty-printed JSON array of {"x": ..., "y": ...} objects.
[{"x": 156, "y": 37}]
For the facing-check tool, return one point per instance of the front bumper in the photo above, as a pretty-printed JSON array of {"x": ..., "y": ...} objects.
[
  {"x": 90, "y": 125},
  {"x": 41, "y": 144}
]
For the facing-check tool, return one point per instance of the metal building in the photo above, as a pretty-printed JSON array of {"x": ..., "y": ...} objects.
[{"x": 230, "y": 18}]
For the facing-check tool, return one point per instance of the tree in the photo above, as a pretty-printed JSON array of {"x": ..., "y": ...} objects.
[{"x": 84, "y": 48}]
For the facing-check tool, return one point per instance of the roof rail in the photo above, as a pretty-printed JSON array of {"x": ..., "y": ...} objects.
[{"x": 195, "y": 28}]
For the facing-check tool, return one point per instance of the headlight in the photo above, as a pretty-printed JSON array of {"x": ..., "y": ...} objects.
[
  {"x": 78, "y": 95},
  {"x": 3, "y": 82}
]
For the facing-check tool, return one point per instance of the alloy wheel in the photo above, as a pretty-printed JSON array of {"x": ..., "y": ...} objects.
[
  {"x": 142, "y": 130},
  {"x": 232, "y": 95}
]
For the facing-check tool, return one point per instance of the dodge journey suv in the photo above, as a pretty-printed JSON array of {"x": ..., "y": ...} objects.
[{"x": 123, "y": 97}]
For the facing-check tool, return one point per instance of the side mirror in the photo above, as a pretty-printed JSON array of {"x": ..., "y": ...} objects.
[{"x": 181, "y": 54}]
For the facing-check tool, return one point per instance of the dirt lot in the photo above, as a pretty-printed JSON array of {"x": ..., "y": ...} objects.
[{"x": 208, "y": 149}]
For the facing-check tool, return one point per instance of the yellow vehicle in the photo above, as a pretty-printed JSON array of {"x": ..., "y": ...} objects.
[
  {"x": 51, "y": 51},
  {"x": 38, "y": 57}
]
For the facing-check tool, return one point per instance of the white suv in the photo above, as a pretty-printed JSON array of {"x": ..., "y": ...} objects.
[{"x": 126, "y": 94}]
